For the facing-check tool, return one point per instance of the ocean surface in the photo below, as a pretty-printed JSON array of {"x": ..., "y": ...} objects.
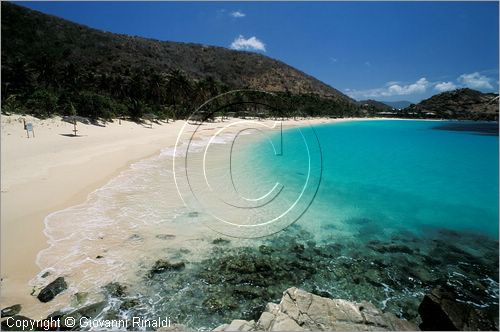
[
  {"x": 400, "y": 175},
  {"x": 381, "y": 211}
]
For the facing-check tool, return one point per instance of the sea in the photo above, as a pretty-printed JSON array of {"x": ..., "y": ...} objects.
[{"x": 214, "y": 228}]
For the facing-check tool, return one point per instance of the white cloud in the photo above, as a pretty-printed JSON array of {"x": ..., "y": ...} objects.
[
  {"x": 237, "y": 14},
  {"x": 251, "y": 43},
  {"x": 392, "y": 89},
  {"x": 332, "y": 59},
  {"x": 475, "y": 81},
  {"x": 418, "y": 87},
  {"x": 445, "y": 86}
]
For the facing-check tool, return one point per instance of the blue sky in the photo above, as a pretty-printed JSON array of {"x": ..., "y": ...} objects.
[{"x": 385, "y": 51}]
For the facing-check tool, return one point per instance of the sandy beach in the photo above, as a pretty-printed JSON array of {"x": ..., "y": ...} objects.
[{"x": 53, "y": 171}]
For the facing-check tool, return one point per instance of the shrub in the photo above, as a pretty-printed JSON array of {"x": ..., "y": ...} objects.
[{"x": 42, "y": 103}]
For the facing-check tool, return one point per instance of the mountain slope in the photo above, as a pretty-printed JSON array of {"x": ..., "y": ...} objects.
[
  {"x": 374, "y": 105},
  {"x": 459, "y": 104},
  {"x": 36, "y": 38}
]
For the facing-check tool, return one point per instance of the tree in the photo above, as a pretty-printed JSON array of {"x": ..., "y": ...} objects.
[{"x": 42, "y": 103}]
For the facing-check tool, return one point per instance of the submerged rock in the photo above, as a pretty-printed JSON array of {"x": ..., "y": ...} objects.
[
  {"x": 440, "y": 310},
  {"x": 390, "y": 248},
  {"x": 115, "y": 289},
  {"x": 165, "y": 236},
  {"x": 129, "y": 304},
  {"x": 80, "y": 298},
  {"x": 52, "y": 290},
  {"x": 11, "y": 311},
  {"x": 265, "y": 250},
  {"x": 90, "y": 311},
  {"x": 135, "y": 237},
  {"x": 300, "y": 310},
  {"x": 221, "y": 241},
  {"x": 236, "y": 282},
  {"x": 163, "y": 265}
]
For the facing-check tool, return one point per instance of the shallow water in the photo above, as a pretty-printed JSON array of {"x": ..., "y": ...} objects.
[
  {"x": 401, "y": 175},
  {"x": 378, "y": 210}
]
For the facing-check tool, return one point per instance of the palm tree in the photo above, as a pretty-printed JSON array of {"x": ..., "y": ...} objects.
[{"x": 179, "y": 90}]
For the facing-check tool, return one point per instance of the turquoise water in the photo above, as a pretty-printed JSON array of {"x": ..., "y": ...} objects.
[{"x": 400, "y": 175}]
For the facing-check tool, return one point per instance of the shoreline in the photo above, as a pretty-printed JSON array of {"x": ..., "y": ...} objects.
[
  {"x": 24, "y": 210},
  {"x": 51, "y": 172}
]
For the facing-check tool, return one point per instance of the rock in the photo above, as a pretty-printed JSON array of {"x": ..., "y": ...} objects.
[
  {"x": 115, "y": 289},
  {"x": 265, "y": 250},
  {"x": 11, "y": 311},
  {"x": 80, "y": 298},
  {"x": 221, "y": 241},
  {"x": 248, "y": 292},
  {"x": 284, "y": 323},
  {"x": 372, "y": 315},
  {"x": 135, "y": 237},
  {"x": 219, "y": 303},
  {"x": 272, "y": 308},
  {"x": 265, "y": 321},
  {"x": 440, "y": 310},
  {"x": 129, "y": 304},
  {"x": 300, "y": 310},
  {"x": 221, "y": 327},
  {"x": 52, "y": 290},
  {"x": 165, "y": 236},
  {"x": 91, "y": 311},
  {"x": 57, "y": 314},
  {"x": 163, "y": 265},
  {"x": 237, "y": 325},
  {"x": 297, "y": 248},
  {"x": 241, "y": 325},
  {"x": 18, "y": 323},
  {"x": 390, "y": 248}
]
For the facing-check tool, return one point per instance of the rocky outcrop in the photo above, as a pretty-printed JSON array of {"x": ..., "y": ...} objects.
[
  {"x": 300, "y": 310},
  {"x": 440, "y": 310},
  {"x": 52, "y": 290},
  {"x": 11, "y": 311}
]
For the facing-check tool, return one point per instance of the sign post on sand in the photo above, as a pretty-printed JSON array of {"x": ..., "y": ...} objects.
[{"x": 29, "y": 127}]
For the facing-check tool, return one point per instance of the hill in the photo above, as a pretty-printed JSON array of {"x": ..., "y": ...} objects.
[
  {"x": 375, "y": 106},
  {"x": 50, "y": 65},
  {"x": 458, "y": 104}
]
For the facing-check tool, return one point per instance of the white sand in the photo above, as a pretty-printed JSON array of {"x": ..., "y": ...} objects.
[{"x": 53, "y": 171}]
